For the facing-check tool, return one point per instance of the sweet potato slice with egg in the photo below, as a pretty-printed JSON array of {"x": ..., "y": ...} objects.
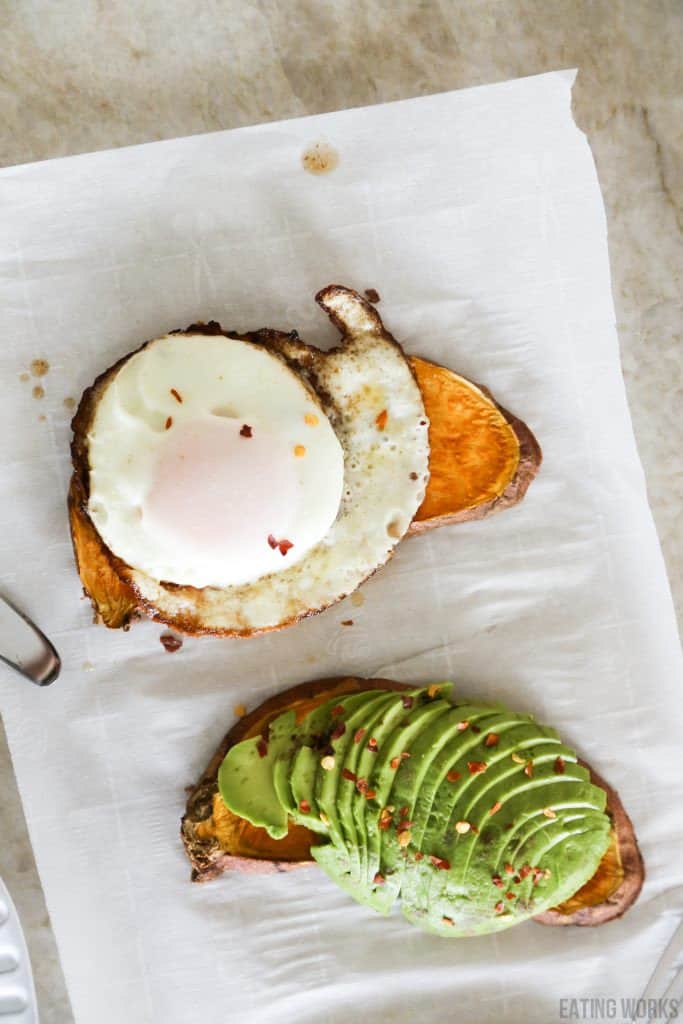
[
  {"x": 216, "y": 840},
  {"x": 481, "y": 460}
]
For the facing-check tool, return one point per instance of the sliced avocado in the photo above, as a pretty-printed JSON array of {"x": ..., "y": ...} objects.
[
  {"x": 392, "y": 729},
  {"x": 305, "y": 767},
  {"x": 245, "y": 778},
  {"x": 487, "y": 888},
  {"x": 396, "y": 779},
  {"x": 377, "y": 705},
  {"x": 328, "y": 784},
  {"x": 448, "y": 789}
]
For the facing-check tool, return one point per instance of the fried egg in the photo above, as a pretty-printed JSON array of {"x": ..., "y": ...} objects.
[
  {"x": 212, "y": 463},
  {"x": 242, "y": 482}
]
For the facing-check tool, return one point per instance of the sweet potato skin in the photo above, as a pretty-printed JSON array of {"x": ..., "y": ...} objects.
[{"x": 208, "y": 860}]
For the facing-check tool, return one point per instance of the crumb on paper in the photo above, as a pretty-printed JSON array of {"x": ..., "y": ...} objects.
[
  {"x": 372, "y": 295},
  {"x": 39, "y": 367},
  {"x": 38, "y": 391},
  {"x": 69, "y": 403},
  {"x": 347, "y": 622},
  {"x": 88, "y": 666},
  {"x": 24, "y": 376},
  {"x": 42, "y": 418},
  {"x": 357, "y": 599},
  {"x": 320, "y": 158},
  {"x": 170, "y": 643},
  {"x": 239, "y": 710}
]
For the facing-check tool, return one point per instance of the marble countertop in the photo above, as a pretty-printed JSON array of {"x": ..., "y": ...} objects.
[{"x": 92, "y": 74}]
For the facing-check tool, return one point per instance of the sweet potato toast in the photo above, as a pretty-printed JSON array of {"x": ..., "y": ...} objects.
[
  {"x": 216, "y": 840},
  {"x": 482, "y": 460}
]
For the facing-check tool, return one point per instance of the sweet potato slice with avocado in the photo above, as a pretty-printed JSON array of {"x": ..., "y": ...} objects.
[
  {"x": 216, "y": 840},
  {"x": 481, "y": 460}
]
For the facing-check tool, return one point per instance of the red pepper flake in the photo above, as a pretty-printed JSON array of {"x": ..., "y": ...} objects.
[
  {"x": 529, "y": 769},
  {"x": 372, "y": 745},
  {"x": 525, "y": 870},
  {"x": 347, "y": 622},
  {"x": 559, "y": 766},
  {"x": 394, "y": 763},
  {"x": 448, "y": 920},
  {"x": 381, "y": 419},
  {"x": 285, "y": 546},
  {"x": 509, "y": 895},
  {"x": 476, "y": 729},
  {"x": 453, "y": 776},
  {"x": 474, "y": 830},
  {"x": 246, "y": 431},
  {"x": 405, "y": 755},
  {"x": 491, "y": 740},
  {"x": 262, "y": 746},
  {"x": 499, "y": 907},
  {"x": 358, "y": 735},
  {"x": 403, "y": 825},
  {"x": 403, "y": 811},
  {"x": 379, "y": 879},
  {"x": 407, "y": 702},
  {"x": 339, "y": 730},
  {"x": 169, "y": 422},
  {"x": 516, "y": 879},
  {"x": 337, "y": 710},
  {"x": 497, "y": 881},
  {"x": 476, "y": 767},
  {"x": 271, "y": 541},
  {"x": 385, "y": 819},
  {"x": 419, "y": 856},
  {"x": 370, "y": 794},
  {"x": 463, "y": 725},
  {"x": 170, "y": 643},
  {"x": 509, "y": 870},
  {"x": 362, "y": 785},
  {"x": 496, "y": 807},
  {"x": 440, "y": 862},
  {"x": 348, "y": 774},
  {"x": 176, "y": 394},
  {"x": 304, "y": 806}
]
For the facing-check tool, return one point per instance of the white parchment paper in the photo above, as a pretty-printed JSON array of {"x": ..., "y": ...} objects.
[{"x": 477, "y": 216}]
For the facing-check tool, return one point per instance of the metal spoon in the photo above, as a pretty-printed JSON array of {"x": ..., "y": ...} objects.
[{"x": 24, "y": 648}]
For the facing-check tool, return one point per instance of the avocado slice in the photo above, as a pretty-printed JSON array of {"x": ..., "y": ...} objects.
[
  {"x": 245, "y": 778},
  {"x": 305, "y": 765}
]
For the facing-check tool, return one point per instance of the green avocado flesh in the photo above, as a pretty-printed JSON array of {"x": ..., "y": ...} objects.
[{"x": 476, "y": 817}]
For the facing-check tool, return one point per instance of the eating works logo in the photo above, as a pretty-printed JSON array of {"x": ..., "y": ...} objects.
[{"x": 622, "y": 1010}]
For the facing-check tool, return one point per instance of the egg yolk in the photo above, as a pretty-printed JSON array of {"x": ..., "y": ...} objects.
[{"x": 222, "y": 488}]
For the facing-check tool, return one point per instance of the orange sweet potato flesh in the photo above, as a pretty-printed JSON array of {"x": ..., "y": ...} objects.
[
  {"x": 216, "y": 840},
  {"x": 482, "y": 459}
]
